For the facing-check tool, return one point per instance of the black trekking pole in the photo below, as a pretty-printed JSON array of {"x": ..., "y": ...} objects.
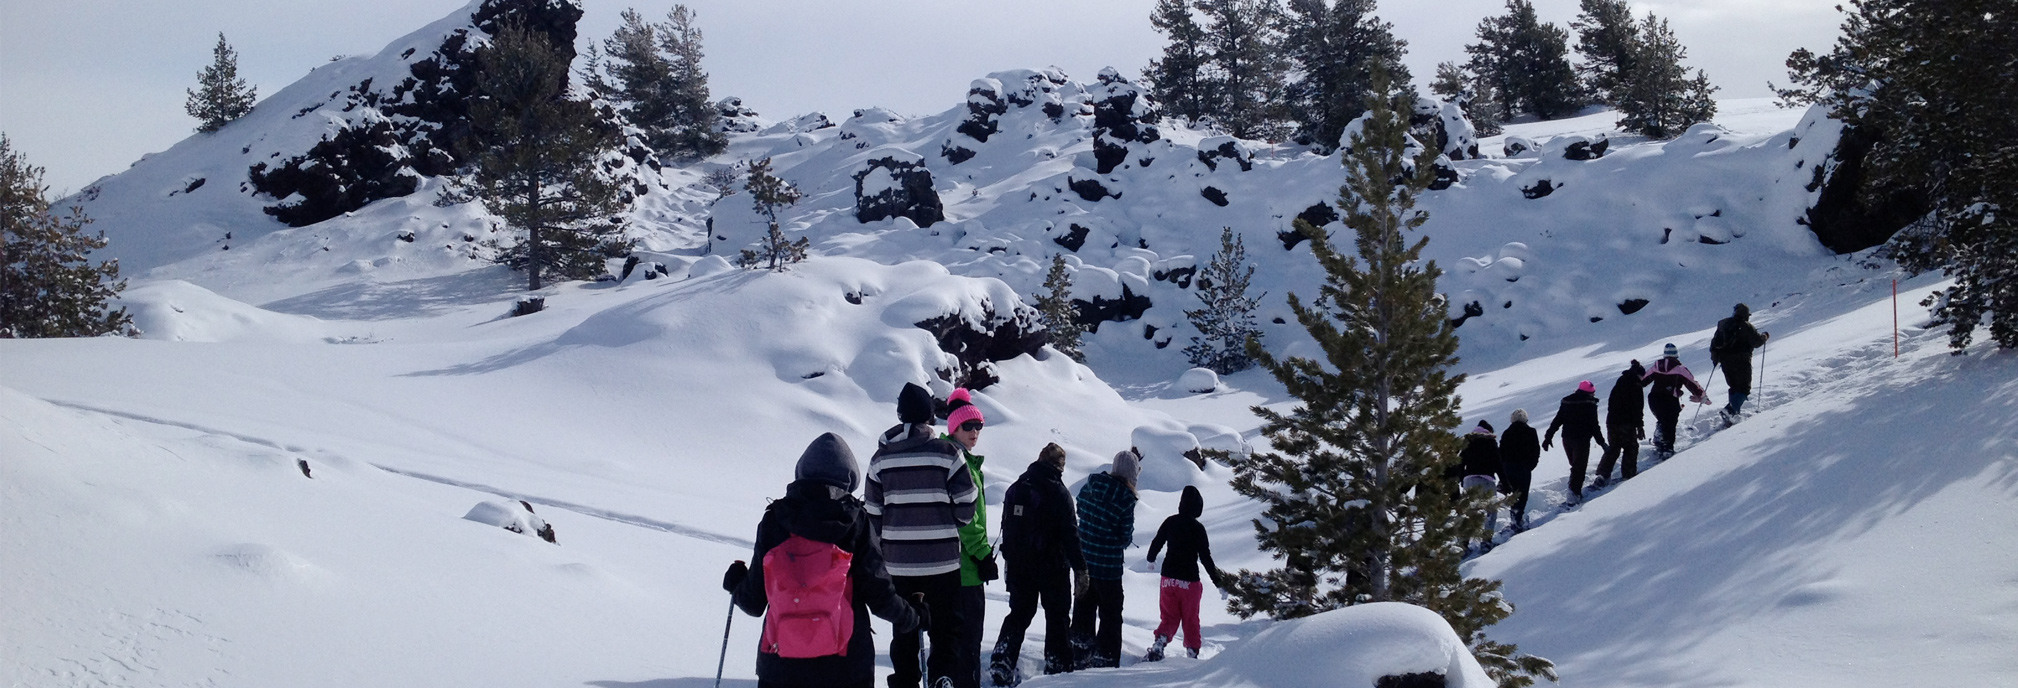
[
  {"x": 726, "y": 625},
  {"x": 1762, "y": 376},
  {"x": 1711, "y": 380}
]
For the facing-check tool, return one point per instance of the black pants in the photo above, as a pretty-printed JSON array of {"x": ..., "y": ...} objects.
[
  {"x": 973, "y": 613},
  {"x": 1052, "y": 589},
  {"x": 1515, "y": 484},
  {"x": 1667, "y": 413},
  {"x": 1624, "y": 443},
  {"x": 1100, "y": 605},
  {"x": 942, "y": 596},
  {"x": 1579, "y": 451}
]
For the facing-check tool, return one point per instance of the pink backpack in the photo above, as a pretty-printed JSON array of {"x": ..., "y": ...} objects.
[{"x": 810, "y": 594}]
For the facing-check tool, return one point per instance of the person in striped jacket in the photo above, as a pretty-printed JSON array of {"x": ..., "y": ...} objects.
[
  {"x": 1106, "y": 531},
  {"x": 919, "y": 495}
]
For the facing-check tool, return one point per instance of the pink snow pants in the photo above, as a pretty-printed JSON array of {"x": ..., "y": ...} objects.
[{"x": 1179, "y": 603}]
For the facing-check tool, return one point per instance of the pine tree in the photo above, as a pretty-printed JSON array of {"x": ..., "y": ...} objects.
[
  {"x": 1334, "y": 46},
  {"x": 654, "y": 71},
  {"x": 1924, "y": 80},
  {"x": 768, "y": 193},
  {"x": 220, "y": 96},
  {"x": 1245, "y": 66},
  {"x": 1657, "y": 98},
  {"x": 48, "y": 286},
  {"x": 534, "y": 153},
  {"x": 1356, "y": 503},
  {"x": 1526, "y": 63},
  {"x": 1609, "y": 41},
  {"x": 1474, "y": 97},
  {"x": 1225, "y": 322},
  {"x": 1177, "y": 80},
  {"x": 1061, "y": 325}
]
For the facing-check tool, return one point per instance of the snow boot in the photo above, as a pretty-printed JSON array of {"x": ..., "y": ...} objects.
[
  {"x": 1155, "y": 653},
  {"x": 1191, "y": 652},
  {"x": 1601, "y": 482},
  {"x": 999, "y": 671}
]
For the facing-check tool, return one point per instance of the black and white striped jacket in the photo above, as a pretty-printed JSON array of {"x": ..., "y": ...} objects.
[{"x": 919, "y": 494}]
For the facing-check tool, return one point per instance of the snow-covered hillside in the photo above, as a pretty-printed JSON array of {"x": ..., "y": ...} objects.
[{"x": 275, "y": 485}]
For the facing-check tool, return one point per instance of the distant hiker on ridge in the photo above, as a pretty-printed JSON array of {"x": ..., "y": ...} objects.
[
  {"x": 1665, "y": 382},
  {"x": 818, "y": 576},
  {"x": 1731, "y": 347},
  {"x": 1626, "y": 422},
  {"x": 920, "y": 493},
  {"x": 1519, "y": 452},
  {"x": 1577, "y": 417},
  {"x": 1040, "y": 544}
]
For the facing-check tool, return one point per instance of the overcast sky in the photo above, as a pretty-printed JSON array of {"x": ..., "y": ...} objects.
[{"x": 88, "y": 86}]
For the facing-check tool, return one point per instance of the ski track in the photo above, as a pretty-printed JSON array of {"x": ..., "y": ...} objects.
[
  {"x": 1846, "y": 369},
  {"x": 583, "y": 509}
]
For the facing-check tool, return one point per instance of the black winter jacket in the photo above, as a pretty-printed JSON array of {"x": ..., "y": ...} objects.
[
  {"x": 1189, "y": 545},
  {"x": 1519, "y": 451},
  {"x": 1040, "y": 528},
  {"x": 1577, "y": 417},
  {"x": 1481, "y": 455},
  {"x": 823, "y": 513},
  {"x": 1740, "y": 339},
  {"x": 1625, "y": 407}
]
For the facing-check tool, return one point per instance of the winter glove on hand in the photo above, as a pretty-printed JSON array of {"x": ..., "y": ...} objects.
[
  {"x": 1548, "y": 444},
  {"x": 733, "y": 578},
  {"x": 1080, "y": 583},
  {"x": 1641, "y": 432},
  {"x": 986, "y": 569},
  {"x": 922, "y": 610}
]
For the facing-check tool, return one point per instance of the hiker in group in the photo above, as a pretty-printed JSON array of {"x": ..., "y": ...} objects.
[
  {"x": 919, "y": 494},
  {"x": 1519, "y": 452},
  {"x": 977, "y": 557},
  {"x": 1665, "y": 382},
  {"x": 1177, "y": 603},
  {"x": 1577, "y": 417},
  {"x": 819, "y": 575},
  {"x": 1106, "y": 531},
  {"x": 1731, "y": 347},
  {"x": 1481, "y": 465},
  {"x": 1040, "y": 547},
  {"x": 1626, "y": 422}
]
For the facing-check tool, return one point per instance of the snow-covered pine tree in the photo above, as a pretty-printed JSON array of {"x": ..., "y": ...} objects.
[
  {"x": 1177, "y": 79},
  {"x": 1357, "y": 504},
  {"x": 220, "y": 96},
  {"x": 1244, "y": 73},
  {"x": 1526, "y": 63},
  {"x": 1333, "y": 47},
  {"x": 654, "y": 72},
  {"x": 48, "y": 286},
  {"x": 1225, "y": 321},
  {"x": 534, "y": 152},
  {"x": 1054, "y": 306},
  {"x": 1473, "y": 95},
  {"x": 768, "y": 193},
  {"x": 1916, "y": 77},
  {"x": 1607, "y": 37},
  {"x": 1657, "y": 98}
]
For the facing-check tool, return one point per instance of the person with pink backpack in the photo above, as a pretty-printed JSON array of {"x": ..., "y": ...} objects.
[{"x": 820, "y": 574}]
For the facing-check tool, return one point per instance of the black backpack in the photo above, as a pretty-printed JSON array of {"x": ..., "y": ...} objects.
[
  {"x": 1023, "y": 531},
  {"x": 1721, "y": 340}
]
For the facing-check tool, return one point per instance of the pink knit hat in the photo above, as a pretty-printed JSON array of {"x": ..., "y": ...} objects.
[
  {"x": 964, "y": 409},
  {"x": 1586, "y": 386}
]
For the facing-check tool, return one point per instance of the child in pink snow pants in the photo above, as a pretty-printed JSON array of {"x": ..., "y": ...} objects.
[{"x": 1181, "y": 588}]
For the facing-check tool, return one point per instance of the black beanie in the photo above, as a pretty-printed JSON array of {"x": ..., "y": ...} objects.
[
  {"x": 1742, "y": 311},
  {"x": 914, "y": 405}
]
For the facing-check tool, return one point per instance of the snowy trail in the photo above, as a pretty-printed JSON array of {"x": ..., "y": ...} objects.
[{"x": 583, "y": 509}]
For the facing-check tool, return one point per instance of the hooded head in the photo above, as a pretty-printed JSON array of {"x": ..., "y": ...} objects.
[
  {"x": 1742, "y": 311},
  {"x": 1127, "y": 465},
  {"x": 1520, "y": 416},
  {"x": 1670, "y": 351},
  {"x": 963, "y": 410},
  {"x": 829, "y": 461},
  {"x": 914, "y": 405},
  {"x": 1586, "y": 386},
  {"x": 1636, "y": 370},
  {"x": 1191, "y": 504},
  {"x": 1483, "y": 427}
]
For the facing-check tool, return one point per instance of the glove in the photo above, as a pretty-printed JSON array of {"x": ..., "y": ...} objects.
[
  {"x": 986, "y": 569},
  {"x": 1081, "y": 583},
  {"x": 924, "y": 611},
  {"x": 1641, "y": 432},
  {"x": 1700, "y": 398},
  {"x": 733, "y": 578},
  {"x": 1548, "y": 444}
]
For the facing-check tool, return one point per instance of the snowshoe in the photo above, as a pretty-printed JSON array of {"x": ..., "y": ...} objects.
[
  {"x": 1601, "y": 482},
  {"x": 1191, "y": 652},
  {"x": 1001, "y": 674},
  {"x": 1155, "y": 653}
]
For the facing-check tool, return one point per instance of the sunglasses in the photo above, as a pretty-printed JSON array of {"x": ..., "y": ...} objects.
[{"x": 971, "y": 426}]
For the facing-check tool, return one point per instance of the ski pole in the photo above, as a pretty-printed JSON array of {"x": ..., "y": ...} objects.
[
  {"x": 726, "y": 625},
  {"x": 1762, "y": 376},
  {"x": 1711, "y": 380}
]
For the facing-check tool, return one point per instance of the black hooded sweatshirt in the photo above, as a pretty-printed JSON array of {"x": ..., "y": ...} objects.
[
  {"x": 1040, "y": 527},
  {"x": 1188, "y": 544},
  {"x": 824, "y": 513}
]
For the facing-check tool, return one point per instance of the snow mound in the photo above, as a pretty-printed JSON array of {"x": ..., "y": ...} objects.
[
  {"x": 516, "y": 517},
  {"x": 1169, "y": 459},
  {"x": 1354, "y": 646},
  {"x": 177, "y": 311},
  {"x": 1198, "y": 381}
]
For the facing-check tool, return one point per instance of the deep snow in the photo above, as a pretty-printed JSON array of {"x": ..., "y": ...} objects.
[{"x": 1856, "y": 530}]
